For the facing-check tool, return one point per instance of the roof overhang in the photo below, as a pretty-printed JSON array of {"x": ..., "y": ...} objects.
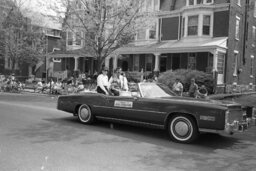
[
  {"x": 71, "y": 53},
  {"x": 178, "y": 46}
]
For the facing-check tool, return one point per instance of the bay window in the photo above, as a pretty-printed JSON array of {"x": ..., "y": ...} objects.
[
  {"x": 193, "y": 25},
  {"x": 206, "y": 24},
  {"x": 197, "y": 25}
]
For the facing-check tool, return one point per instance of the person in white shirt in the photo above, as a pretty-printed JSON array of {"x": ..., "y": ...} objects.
[
  {"x": 102, "y": 82},
  {"x": 177, "y": 87},
  {"x": 124, "y": 82}
]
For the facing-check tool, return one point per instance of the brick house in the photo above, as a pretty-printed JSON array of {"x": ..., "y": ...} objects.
[
  {"x": 214, "y": 36},
  {"x": 52, "y": 36}
]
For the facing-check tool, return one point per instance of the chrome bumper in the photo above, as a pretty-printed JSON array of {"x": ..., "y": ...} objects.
[{"x": 241, "y": 126}]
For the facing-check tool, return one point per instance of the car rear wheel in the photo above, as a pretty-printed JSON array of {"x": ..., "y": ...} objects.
[
  {"x": 85, "y": 114},
  {"x": 183, "y": 129}
]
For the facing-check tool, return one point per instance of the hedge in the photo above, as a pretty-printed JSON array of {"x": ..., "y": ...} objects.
[{"x": 202, "y": 78}]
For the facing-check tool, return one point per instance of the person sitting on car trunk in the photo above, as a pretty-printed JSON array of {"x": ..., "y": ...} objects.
[
  {"x": 115, "y": 83},
  {"x": 102, "y": 82}
]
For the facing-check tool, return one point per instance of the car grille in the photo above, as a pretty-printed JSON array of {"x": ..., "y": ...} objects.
[{"x": 235, "y": 115}]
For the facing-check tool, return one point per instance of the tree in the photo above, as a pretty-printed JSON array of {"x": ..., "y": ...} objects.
[
  {"x": 20, "y": 41},
  {"x": 105, "y": 24}
]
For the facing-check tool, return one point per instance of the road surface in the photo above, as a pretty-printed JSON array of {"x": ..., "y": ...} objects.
[{"x": 34, "y": 136}]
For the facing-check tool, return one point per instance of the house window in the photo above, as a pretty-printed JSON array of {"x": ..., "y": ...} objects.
[
  {"x": 220, "y": 65},
  {"x": 141, "y": 34},
  {"x": 156, "y": 5},
  {"x": 206, "y": 24},
  {"x": 200, "y": 24},
  {"x": 197, "y": 2},
  {"x": 253, "y": 35},
  {"x": 190, "y": 2},
  {"x": 136, "y": 60},
  {"x": 208, "y": 1},
  {"x": 148, "y": 63},
  {"x": 152, "y": 32},
  {"x": 209, "y": 63},
  {"x": 251, "y": 68},
  {"x": 192, "y": 25},
  {"x": 237, "y": 27},
  {"x": 70, "y": 38},
  {"x": 149, "y": 5},
  {"x": 192, "y": 61},
  {"x": 235, "y": 63},
  {"x": 78, "y": 38}
]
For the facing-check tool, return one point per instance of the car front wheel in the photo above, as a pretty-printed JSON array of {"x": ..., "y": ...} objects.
[
  {"x": 183, "y": 129},
  {"x": 85, "y": 115}
]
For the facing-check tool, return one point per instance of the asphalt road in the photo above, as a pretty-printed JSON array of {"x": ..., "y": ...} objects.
[{"x": 35, "y": 136}]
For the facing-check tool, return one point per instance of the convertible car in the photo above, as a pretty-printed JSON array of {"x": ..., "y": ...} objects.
[{"x": 155, "y": 105}]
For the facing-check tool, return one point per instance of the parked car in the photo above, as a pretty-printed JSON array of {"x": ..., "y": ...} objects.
[{"x": 155, "y": 105}]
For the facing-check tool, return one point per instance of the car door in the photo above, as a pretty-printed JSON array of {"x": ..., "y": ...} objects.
[{"x": 135, "y": 109}]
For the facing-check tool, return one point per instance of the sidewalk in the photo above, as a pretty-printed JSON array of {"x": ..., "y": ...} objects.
[{"x": 223, "y": 96}]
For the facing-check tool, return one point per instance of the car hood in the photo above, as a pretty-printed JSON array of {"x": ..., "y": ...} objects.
[{"x": 203, "y": 101}]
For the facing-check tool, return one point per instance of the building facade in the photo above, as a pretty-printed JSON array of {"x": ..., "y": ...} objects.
[
  {"x": 214, "y": 36},
  {"x": 73, "y": 57}
]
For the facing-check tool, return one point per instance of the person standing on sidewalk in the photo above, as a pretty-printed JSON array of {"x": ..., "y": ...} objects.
[
  {"x": 193, "y": 88},
  {"x": 177, "y": 87}
]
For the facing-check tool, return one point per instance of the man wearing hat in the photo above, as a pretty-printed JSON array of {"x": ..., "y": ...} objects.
[{"x": 102, "y": 82}]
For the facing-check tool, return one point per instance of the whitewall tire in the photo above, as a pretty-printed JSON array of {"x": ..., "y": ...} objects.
[
  {"x": 85, "y": 115},
  {"x": 183, "y": 129}
]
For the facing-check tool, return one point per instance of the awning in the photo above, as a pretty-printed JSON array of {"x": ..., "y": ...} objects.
[{"x": 177, "y": 46}]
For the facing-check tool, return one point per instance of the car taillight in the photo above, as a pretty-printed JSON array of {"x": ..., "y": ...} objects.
[{"x": 227, "y": 116}]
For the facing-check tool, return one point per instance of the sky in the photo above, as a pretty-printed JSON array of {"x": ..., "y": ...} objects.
[{"x": 39, "y": 12}]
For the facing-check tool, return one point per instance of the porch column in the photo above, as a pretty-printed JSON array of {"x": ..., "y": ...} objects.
[
  {"x": 107, "y": 61},
  {"x": 115, "y": 62},
  {"x": 157, "y": 59},
  {"x": 215, "y": 61},
  {"x": 76, "y": 63},
  {"x": 29, "y": 70}
]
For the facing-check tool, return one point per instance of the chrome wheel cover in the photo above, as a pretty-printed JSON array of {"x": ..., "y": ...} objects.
[
  {"x": 84, "y": 114},
  {"x": 181, "y": 128}
]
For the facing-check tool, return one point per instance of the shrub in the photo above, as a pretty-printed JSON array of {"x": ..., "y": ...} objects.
[{"x": 202, "y": 78}]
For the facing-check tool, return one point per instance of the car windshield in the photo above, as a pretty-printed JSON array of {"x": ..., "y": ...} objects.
[{"x": 152, "y": 90}]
